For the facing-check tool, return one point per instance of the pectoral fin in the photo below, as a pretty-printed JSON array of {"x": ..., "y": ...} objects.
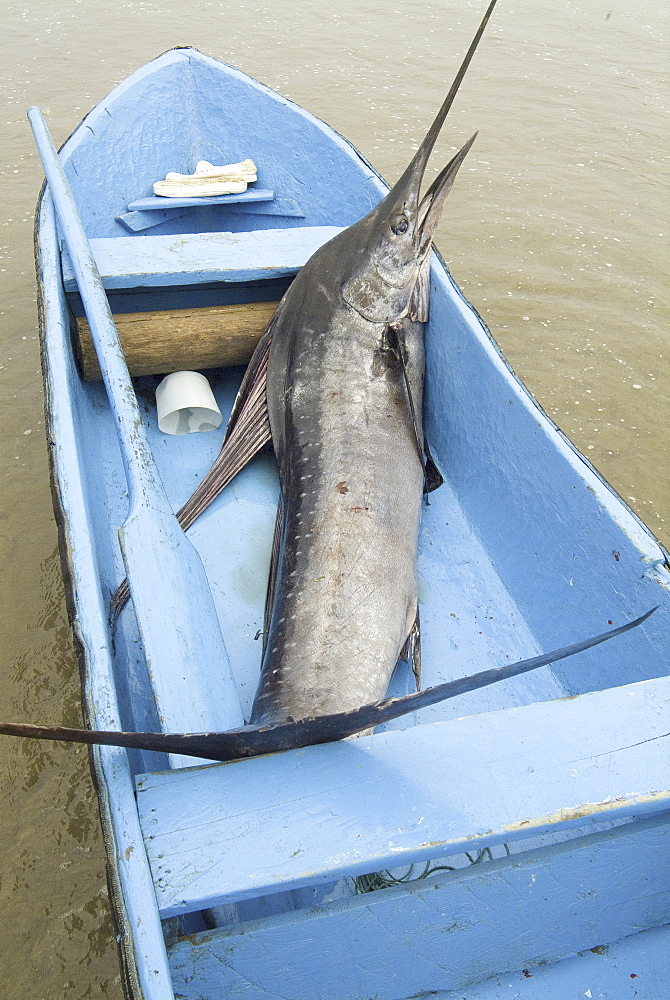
[
  {"x": 411, "y": 651},
  {"x": 432, "y": 478},
  {"x": 418, "y": 304}
]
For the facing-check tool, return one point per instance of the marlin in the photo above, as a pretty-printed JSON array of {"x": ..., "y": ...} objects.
[
  {"x": 336, "y": 385},
  {"x": 344, "y": 388}
]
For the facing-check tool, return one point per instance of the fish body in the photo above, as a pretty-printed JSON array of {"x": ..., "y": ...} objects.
[
  {"x": 343, "y": 387},
  {"x": 343, "y": 590}
]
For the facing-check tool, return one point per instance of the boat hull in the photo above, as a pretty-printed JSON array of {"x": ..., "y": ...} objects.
[{"x": 524, "y": 548}]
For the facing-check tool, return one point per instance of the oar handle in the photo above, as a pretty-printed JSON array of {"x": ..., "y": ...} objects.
[{"x": 144, "y": 483}]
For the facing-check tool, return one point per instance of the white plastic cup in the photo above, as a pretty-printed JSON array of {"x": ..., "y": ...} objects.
[{"x": 186, "y": 404}]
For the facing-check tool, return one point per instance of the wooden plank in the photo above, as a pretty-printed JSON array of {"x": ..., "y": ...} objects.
[
  {"x": 455, "y": 929},
  {"x": 226, "y": 832},
  {"x": 157, "y": 204},
  {"x": 199, "y": 258},
  {"x": 159, "y": 342},
  {"x": 633, "y": 967},
  {"x": 136, "y": 221}
]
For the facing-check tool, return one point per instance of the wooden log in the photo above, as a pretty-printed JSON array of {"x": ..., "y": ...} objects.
[{"x": 155, "y": 343}]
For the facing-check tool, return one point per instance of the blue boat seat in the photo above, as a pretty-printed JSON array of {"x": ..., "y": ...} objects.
[
  {"x": 127, "y": 262},
  {"x": 221, "y": 833},
  {"x": 231, "y": 832},
  {"x": 193, "y": 301}
]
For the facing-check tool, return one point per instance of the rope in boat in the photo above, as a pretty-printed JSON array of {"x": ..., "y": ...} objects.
[{"x": 385, "y": 879}]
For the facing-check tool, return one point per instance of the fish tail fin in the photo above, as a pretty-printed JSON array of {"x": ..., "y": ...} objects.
[{"x": 251, "y": 741}]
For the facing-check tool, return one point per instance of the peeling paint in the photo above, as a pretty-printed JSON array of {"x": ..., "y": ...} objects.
[{"x": 568, "y": 815}]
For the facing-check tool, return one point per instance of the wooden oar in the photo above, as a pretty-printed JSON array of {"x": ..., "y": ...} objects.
[{"x": 175, "y": 612}]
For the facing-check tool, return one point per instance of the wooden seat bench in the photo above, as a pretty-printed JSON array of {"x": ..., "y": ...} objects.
[
  {"x": 161, "y": 340},
  {"x": 227, "y": 832}
]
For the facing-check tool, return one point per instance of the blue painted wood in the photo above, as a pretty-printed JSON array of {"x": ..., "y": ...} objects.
[
  {"x": 189, "y": 296},
  {"x": 153, "y": 111},
  {"x": 156, "y": 204},
  {"x": 562, "y": 541},
  {"x": 452, "y": 930},
  {"x": 137, "y": 221},
  {"x": 635, "y": 967},
  {"x": 517, "y": 549},
  {"x": 199, "y": 258},
  {"x": 287, "y": 207},
  {"x": 170, "y": 592},
  {"x": 384, "y": 801}
]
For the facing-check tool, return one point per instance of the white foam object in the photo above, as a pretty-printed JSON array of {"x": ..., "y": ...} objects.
[
  {"x": 186, "y": 404},
  {"x": 208, "y": 180}
]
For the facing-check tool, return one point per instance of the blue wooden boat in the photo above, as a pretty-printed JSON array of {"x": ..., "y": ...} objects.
[{"x": 509, "y": 842}]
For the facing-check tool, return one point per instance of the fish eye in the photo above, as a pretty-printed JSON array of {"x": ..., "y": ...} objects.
[{"x": 399, "y": 224}]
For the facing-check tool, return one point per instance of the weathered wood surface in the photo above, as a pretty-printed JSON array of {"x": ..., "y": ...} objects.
[
  {"x": 222, "y": 833},
  {"x": 155, "y": 343},
  {"x": 154, "y": 215},
  {"x": 633, "y": 967},
  {"x": 455, "y": 929},
  {"x": 199, "y": 258}
]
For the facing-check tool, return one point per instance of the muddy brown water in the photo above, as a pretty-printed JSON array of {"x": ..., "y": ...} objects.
[{"x": 557, "y": 231}]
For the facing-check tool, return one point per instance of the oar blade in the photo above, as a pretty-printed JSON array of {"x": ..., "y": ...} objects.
[{"x": 185, "y": 654}]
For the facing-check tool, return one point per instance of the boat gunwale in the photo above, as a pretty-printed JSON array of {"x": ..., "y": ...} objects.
[{"x": 124, "y": 845}]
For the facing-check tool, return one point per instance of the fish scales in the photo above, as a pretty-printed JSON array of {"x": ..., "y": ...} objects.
[{"x": 343, "y": 389}]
